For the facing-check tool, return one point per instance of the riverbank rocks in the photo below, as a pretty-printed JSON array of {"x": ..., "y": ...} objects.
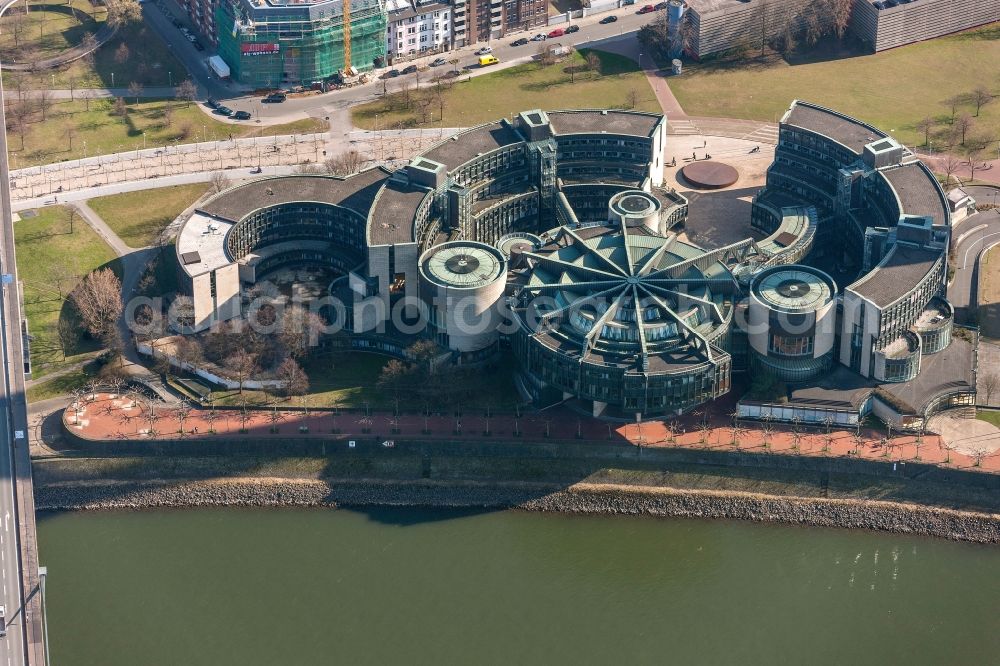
[{"x": 578, "y": 498}]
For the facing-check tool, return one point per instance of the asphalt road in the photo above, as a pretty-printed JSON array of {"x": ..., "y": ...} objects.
[
  {"x": 158, "y": 14},
  {"x": 983, "y": 231}
]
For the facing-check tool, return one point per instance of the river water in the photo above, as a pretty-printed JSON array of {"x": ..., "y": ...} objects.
[{"x": 410, "y": 586}]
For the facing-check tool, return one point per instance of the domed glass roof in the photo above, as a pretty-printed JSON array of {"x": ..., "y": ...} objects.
[{"x": 623, "y": 296}]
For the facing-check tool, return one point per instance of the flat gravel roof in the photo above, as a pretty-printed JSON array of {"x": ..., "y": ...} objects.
[
  {"x": 898, "y": 273},
  {"x": 597, "y": 121},
  {"x": 850, "y": 132},
  {"x": 918, "y": 191},
  {"x": 464, "y": 146}
]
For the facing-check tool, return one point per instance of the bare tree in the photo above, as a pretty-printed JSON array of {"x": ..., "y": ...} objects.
[
  {"x": 123, "y": 12},
  {"x": 243, "y": 365},
  {"x": 122, "y": 53},
  {"x": 949, "y": 165},
  {"x": 300, "y": 330},
  {"x": 953, "y": 103},
  {"x": 296, "y": 380},
  {"x": 98, "y": 299},
  {"x": 70, "y": 133},
  {"x": 18, "y": 115},
  {"x": 135, "y": 90},
  {"x": 963, "y": 124},
  {"x": 632, "y": 98},
  {"x": 981, "y": 96},
  {"x": 345, "y": 164},
  {"x": 86, "y": 96},
  {"x": 593, "y": 62},
  {"x": 45, "y": 100},
  {"x": 187, "y": 91},
  {"x": 991, "y": 381},
  {"x": 219, "y": 181},
  {"x": 925, "y": 125},
  {"x": 120, "y": 108}
]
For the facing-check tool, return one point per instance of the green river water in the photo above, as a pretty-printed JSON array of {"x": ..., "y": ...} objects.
[{"x": 409, "y": 586}]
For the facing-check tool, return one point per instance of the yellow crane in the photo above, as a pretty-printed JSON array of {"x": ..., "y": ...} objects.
[{"x": 347, "y": 36}]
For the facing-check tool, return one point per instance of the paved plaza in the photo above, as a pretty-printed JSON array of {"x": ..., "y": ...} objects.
[{"x": 112, "y": 417}]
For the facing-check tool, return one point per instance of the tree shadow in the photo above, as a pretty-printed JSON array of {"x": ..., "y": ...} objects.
[{"x": 828, "y": 49}]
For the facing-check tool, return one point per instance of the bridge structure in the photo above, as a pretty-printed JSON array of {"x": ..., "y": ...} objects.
[{"x": 21, "y": 580}]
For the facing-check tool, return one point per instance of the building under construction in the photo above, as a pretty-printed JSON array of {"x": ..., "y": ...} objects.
[{"x": 267, "y": 43}]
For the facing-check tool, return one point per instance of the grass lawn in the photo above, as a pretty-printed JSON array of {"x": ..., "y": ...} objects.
[
  {"x": 528, "y": 86},
  {"x": 48, "y": 28},
  {"x": 62, "y": 384},
  {"x": 348, "y": 380},
  {"x": 989, "y": 293},
  {"x": 71, "y": 130},
  {"x": 51, "y": 261},
  {"x": 139, "y": 217},
  {"x": 989, "y": 417},
  {"x": 892, "y": 90},
  {"x": 145, "y": 60}
]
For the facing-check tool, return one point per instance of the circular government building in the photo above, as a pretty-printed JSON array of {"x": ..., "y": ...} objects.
[{"x": 551, "y": 235}]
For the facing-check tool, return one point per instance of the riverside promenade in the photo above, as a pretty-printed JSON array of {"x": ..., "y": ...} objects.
[{"x": 111, "y": 417}]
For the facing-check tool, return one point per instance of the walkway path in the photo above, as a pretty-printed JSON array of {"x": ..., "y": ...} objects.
[
  {"x": 106, "y": 417},
  {"x": 104, "y": 33}
]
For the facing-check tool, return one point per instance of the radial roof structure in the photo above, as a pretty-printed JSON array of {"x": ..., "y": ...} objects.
[
  {"x": 798, "y": 288},
  {"x": 462, "y": 265},
  {"x": 621, "y": 296}
]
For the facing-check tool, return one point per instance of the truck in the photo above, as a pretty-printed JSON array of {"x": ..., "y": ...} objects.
[
  {"x": 219, "y": 66},
  {"x": 487, "y": 60},
  {"x": 351, "y": 77}
]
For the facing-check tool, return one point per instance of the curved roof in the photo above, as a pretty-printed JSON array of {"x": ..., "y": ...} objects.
[
  {"x": 603, "y": 294},
  {"x": 845, "y": 130},
  {"x": 794, "y": 288},
  {"x": 462, "y": 265}
]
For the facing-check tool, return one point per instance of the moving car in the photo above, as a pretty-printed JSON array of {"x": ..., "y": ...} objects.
[
  {"x": 572, "y": 29},
  {"x": 487, "y": 60},
  {"x": 519, "y": 42},
  {"x": 3, "y": 621},
  {"x": 437, "y": 62},
  {"x": 275, "y": 98},
  {"x": 647, "y": 9},
  {"x": 558, "y": 32},
  {"x": 609, "y": 19},
  {"x": 241, "y": 115},
  {"x": 223, "y": 111},
  {"x": 539, "y": 38},
  {"x": 484, "y": 51}
]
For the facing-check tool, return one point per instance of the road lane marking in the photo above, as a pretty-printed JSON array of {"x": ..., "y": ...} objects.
[{"x": 965, "y": 257}]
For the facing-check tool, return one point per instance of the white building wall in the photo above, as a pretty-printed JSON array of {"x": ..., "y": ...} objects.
[{"x": 428, "y": 30}]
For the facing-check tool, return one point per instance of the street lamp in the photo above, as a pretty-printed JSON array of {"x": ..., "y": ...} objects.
[
  {"x": 170, "y": 78},
  {"x": 144, "y": 140},
  {"x": 112, "y": 79}
]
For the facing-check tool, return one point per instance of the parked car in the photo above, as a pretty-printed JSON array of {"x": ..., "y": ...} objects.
[
  {"x": 211, "y": 103},
  {"x": 558, "y": 32},
  {"x": 660, "y": 6},
  {"x": 275, "y": 98},
  {"x": 177, "y": 23},
  {"x": 391, "y": 74},
  {"x": 223, "y": 111},
  {"x": 487, "y": 60},
  {"x": 241, "y": 115},
  {"x": 198, "y": 45},
  {"x": 519, "y": 42},
  {"x": 646, "y": 9},
  {"x": 437, "y": 62},
  {"x": 539, "y": 38},
  {"x": 628, "y": 2},
  {"x": 609, "y": 19},
  {"x": 572, "y": 29},
  {"x": 409, "y": 70},
  {"x": 484, "y": 51}
]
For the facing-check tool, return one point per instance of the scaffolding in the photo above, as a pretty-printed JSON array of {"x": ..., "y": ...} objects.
[{"x": 267, "y": 44}]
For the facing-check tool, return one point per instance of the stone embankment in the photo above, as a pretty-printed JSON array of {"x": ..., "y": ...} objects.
[{"x": 578, "y": 498}]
